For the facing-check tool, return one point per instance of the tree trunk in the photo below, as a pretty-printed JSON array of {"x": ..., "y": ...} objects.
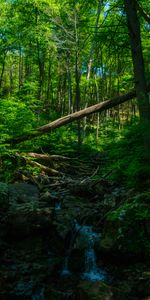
[
  {"x": 91, "y": 59},
  {"x": 94, "y": 40},
  {"x": 20, "y": 71},
  {"x": 139, "y": 71},
  {"x": 2, "y": 71},
  {"x": 77, "y": 79},
  {"x": 69, "y": 86},
  {"x": 49, "y": 86}
]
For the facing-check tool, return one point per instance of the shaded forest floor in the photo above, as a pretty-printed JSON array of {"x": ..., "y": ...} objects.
[{"x": 37, "y": 222}]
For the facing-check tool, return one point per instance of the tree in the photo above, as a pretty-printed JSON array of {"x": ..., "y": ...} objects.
[{"x": 139, "y": 70}]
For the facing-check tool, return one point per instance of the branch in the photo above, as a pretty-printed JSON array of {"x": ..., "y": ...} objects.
[{"x": 143, "y": 13}]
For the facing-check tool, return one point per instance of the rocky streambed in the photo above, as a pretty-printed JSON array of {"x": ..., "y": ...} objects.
[{"x": 55, "y": 243}]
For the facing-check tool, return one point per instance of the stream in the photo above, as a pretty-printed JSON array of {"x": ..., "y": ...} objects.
[
  {"x": 50, "y": 248},
  {"x": 88, "y": 237},
  {"x": 84, "y": 235}
]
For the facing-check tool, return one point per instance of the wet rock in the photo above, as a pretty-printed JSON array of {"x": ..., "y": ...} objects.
[
  {"x": 25, "y": 215},
  {"x": 94, "y": 290},
  {"x": 108, "y": 242},
  {"x": 46, "y": 196},
  {"x": 77, "y": 260},
  {"x": 22, "y": 193},
  {"x": 143, "y": 285},
  {"x": 4, "y": 198},
  {"x": 25, "y": 221},
  {"x": 123, "y": 291}
]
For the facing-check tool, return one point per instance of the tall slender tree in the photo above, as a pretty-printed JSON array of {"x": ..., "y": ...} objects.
[{"x": 139, "y": 70}]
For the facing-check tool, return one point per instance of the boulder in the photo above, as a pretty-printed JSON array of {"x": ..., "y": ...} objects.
[
  {"x": 4, "y": 198},
  {"x": 26, "y": 215},
  {"x": 88, "y": 290}
]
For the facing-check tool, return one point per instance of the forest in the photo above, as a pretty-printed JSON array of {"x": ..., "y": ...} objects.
[{"x": 75, "y": 150}]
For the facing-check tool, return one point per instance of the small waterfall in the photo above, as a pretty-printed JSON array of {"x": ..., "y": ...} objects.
[
  {"x": 85, "y": 237},
  {"x": 92, "y": 272}
]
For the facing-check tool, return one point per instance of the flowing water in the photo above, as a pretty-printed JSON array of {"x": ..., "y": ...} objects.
[
  {"x": 87, "y": 236},
  {"x": 92, "y": 272}
]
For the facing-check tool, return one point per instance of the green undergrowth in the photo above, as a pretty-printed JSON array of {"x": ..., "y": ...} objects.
[
  {"x": 118, "y": 154},
  {"x": 120, "y": 150},
  {"x": 132, "y": 219},
  {"x": 131, "y": 168},
  {"x": 127, "y": 158}
]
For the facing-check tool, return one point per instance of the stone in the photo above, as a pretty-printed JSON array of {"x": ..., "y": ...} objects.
[
  {"x": 23, "y": 192},
  {"x": 4, "y": 198},
  {"x": 94, "y": 291}
]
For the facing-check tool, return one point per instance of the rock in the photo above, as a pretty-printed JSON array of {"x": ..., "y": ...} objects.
[
  {"x": 4, "y": 198},
  {"x": 77, "y": 261},
  {"x": 94, "y": 291},
  {"x": 107, "y": 243},
  {"x": 123, "y": 290},
  {"x": 25, "y": 221},
  {"x": 143, "y": 286},
  {"x": 23, "y": 192},
  {"x": 25, "y": 215},
  {"x": 46, "y": 196}
]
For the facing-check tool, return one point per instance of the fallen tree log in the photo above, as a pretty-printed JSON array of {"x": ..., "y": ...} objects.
[
  {"x": 47, "y": 157},
  {"x": 73, "y": 117}
]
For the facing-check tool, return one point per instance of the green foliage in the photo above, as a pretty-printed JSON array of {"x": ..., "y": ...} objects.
[
  {"x": 127, "y": 157},
  {"x": 132, "y": 218},
  {"x": 15, "y": 118},
  {"x": 135, "y": 208}
]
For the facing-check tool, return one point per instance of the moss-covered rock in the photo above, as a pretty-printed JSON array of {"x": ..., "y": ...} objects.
[
  {"x": 4, "y": 198},
  {"x": 94, "y": 291}
]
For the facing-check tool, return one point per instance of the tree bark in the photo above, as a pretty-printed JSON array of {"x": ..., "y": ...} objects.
[
  {"x": 77, "y": 79},
  {"x": 2, "y": 71},
  {"x": 73, "y": 117},
  {"x": 94, "y": 40},
  {"x": 137, "y": 58},
  {"x": 139, "y": 71}
]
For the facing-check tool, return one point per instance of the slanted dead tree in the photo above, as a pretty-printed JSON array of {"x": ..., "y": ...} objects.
[{"x": 73, "y": 117}]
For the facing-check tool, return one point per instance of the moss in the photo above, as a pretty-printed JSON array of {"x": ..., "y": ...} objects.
[{"x": 94, "y": 291}]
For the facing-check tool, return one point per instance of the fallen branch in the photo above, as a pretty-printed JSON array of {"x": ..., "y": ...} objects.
[
  {"x": 43, "y": 168},
  {"x": 73, "y": 117},
  {"x": 47, "y": 170},
  {"x": 47, "y": 157}
]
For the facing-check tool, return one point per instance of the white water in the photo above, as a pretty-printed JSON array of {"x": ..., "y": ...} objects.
[{"x": 92, "y": 272}]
